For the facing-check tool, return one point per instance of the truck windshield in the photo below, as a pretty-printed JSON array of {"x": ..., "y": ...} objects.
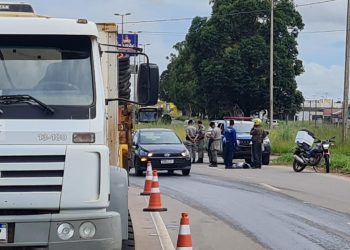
[{"x": 56, "y": 70}]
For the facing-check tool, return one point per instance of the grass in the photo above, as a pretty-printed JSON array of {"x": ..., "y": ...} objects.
[{"x": 282, "y": 140}]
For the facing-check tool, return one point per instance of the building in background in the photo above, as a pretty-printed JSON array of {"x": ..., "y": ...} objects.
[{"x": 321, "y": 110}]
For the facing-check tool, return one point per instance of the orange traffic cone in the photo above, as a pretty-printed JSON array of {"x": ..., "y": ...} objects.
[
  {"x": 184, "y": 240},
  {"x": 155, "y": 203},
  {"x": 148, "y": 181}
]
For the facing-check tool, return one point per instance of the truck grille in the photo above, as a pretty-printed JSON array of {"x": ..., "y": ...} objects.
[{"x": 31, "y": 181}]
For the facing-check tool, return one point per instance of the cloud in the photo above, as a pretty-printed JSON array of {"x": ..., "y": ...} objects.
[{"x": 319, "y": 81}]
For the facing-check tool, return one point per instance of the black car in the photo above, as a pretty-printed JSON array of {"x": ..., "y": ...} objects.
[{"x": 163, "y": 148}]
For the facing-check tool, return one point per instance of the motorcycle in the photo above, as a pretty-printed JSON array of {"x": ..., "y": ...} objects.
[{"x": 310, "y": 150}]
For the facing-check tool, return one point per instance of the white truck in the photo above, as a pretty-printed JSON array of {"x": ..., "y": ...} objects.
[{"x": 58, "y": 133}]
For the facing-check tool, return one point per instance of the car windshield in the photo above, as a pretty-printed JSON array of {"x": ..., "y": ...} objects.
[
  {"x": 148, "y": 115},
  {"x": 159, "y": 137},
  {"x": 243, "y": 127},
  {"x": 56, "y": 70}
]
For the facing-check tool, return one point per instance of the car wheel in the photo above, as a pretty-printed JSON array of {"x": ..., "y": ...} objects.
[
  {"x": 138, "y": 171},
  {"x": 248, "y": 160},
  {"x": 266, "y": 159},
  {"x": 186, "y": 172}
]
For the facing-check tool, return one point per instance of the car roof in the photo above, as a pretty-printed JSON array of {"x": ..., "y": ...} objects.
[
  {"x": 236, "y": 121},
  {"x": 154, "y": 130}
]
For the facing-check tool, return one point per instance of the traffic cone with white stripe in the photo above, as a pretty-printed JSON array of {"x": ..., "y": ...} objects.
[
  {"x": 148, "y": 181},
  {"x": 184, "y": 240},
  {"x": 155, "y": 202}
]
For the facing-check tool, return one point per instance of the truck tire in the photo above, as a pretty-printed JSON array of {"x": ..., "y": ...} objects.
[
  {"x": 129, "y": 244},
  {"x": 124, "y": 77}
]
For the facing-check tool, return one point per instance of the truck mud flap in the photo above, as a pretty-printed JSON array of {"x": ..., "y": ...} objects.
[{"x": 129, "y": 244}]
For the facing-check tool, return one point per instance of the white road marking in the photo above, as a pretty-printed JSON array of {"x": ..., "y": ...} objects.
[
  {"x": 163, "y": 234},
  {"x": 270, "y": 187}
]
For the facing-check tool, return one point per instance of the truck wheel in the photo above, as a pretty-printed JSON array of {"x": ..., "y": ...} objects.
[
  {"x": 129, "y": 244},
  {"x": 266, "y": 159}
]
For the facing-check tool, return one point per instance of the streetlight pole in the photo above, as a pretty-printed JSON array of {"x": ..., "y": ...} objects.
[
  {"x": 122, "y": 15},
  {"x": 144, "y": 46},
  {"x": 135, "y": 71},
  {"x": 271, "y": 64},
  {"x": 144, "y": 49},
  {"x": 346, "y": 76}
]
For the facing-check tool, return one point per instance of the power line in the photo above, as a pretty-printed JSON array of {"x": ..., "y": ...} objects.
[
  {"x": 230, "y": 14},
  {"x": 191, "y": 18},
  {"x": 321, "y": 31},
  {"x": 183, "y": 34},
  {"x": 314, "y": 3}
]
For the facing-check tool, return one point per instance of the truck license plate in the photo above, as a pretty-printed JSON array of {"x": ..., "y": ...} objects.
[
  {"x": 3, "y": 233},
  {"x": 170, "y": 161}
]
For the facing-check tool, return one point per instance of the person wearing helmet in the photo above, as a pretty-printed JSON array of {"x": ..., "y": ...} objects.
[{"x": 258, "y": 134}]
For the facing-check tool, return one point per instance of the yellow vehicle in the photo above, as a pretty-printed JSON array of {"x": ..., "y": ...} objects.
[{"x": 169, "y": 108}]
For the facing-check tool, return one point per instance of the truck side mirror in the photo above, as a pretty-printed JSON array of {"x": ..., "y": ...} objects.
[{"x": 148, "y": 84}]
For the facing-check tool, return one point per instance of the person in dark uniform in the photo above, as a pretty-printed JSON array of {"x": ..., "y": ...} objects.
[{"x": 230, "y": 142}]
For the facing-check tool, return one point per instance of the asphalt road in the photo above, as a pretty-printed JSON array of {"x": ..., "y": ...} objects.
[{"x": 273, "y": 207}]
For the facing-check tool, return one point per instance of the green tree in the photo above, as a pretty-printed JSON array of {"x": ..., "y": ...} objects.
[{"x": 223, "y": 66}]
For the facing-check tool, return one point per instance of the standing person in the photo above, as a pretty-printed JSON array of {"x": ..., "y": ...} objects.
[
  {"x": 190, "y": 142},
  {"x": 200, "y": 141},
  {"x": 258, "y": 134},
  {"x": 230, "y": 142},
  {"x": 215, "y": 145}
]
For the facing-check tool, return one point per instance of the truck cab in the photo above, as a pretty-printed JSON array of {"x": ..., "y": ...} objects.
[{"x": 55, "y": 168}]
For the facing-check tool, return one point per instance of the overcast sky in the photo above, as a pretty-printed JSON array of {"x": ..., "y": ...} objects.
[{"x": 322, "y": 53}]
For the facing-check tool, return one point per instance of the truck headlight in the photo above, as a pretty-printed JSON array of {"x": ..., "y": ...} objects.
[
  {"x": 87, "y": 230},
  {"x": 65, "y": 231}
]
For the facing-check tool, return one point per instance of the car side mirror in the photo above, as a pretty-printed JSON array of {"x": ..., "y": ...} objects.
[{"x": 148, "y": 84}]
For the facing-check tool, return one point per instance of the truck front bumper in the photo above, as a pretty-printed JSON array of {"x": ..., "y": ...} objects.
[{"x": 40, "y": 231}]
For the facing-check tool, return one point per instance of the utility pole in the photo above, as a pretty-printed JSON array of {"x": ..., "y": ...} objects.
[
  {"x": 303, "y": 111},
  {"x": 346, "y": 76},
  {"x": 271, "y": 64},
  {"x": 310, "y": 113}
]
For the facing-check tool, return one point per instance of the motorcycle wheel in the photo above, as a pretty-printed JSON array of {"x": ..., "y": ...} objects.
[
  {"x": 327, "y": 162},
  {"x": 297, "y": 166}
]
